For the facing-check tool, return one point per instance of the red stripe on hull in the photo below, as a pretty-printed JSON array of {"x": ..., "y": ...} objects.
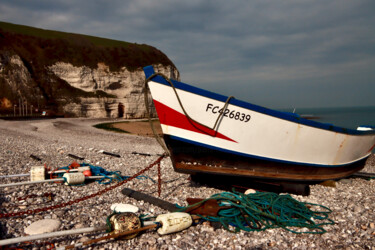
[{"x": 171, "y": 117}]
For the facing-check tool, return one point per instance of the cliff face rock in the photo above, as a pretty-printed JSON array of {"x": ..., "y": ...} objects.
[
  {"x": 74, "y": 75},
  {"x": 16, "y": 82},
  {"x": 14, "y": 71},
  {"x": 125, "y": 86}
]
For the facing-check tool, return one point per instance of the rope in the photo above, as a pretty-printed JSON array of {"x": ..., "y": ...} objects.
[
  {"x": 156, "y": 135},
  {"x": 69, "y": 203},
  {"x": 99, "y": 171},
  {"x": 146, "y": 89},
  {"x": 67, "y": 168},
  {"x": 263, "y": 210},
  {"x": 95, "y": 170}
]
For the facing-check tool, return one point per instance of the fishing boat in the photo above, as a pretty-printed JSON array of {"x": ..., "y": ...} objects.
[{"x": 209, "y": 133}]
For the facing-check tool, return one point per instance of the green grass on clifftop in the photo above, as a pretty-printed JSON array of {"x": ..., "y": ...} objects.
[{"x": 45, "y": 47}]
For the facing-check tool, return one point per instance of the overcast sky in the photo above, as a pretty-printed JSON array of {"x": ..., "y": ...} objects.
[{"x": 274, "y": 53}]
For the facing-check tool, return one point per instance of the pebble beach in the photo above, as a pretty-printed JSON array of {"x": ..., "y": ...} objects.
[{"x": 352, "y": 200}]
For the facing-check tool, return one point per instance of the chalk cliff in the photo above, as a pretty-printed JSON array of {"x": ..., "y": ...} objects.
[
  {"x": 74, "y": 75},
  {"x": 125, "y": 88}
]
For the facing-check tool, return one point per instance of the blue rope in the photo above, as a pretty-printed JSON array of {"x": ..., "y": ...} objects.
[
  {"x": 108, "y": 176},
  {"x": 99, "y": 171}
]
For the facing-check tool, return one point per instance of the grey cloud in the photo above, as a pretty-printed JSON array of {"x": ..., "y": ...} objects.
[{"x": 236, "y": 47}]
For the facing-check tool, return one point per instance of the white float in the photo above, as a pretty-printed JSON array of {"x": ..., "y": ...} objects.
[
  {"x": 74, "y": 178},
  {"x": 173, "y": 222},
  {"x": 122, "y": 208}
]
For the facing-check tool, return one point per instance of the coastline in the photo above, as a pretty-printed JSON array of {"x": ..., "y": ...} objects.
[{"x": 140, "y": 128}]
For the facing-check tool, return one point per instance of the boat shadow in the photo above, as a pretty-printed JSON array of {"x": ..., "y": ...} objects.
[{"x": 241, "y": 184}]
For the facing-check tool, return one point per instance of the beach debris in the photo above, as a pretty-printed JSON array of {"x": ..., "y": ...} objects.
[
  {"x": 168, "y": 223},
  {"x": 74, "y": 178},
  {"x": 41, "y": 236},
  {"x": 112, "y": 154},
  {"x": 14, "y": 175},
  {"x": 74, "y": 174},
  {"x": 35, "y": 157},
  {"x": 173, "y": 222},
  {"x": 37, "y": 173},
  {"x": 196, "y": 206},
  {"x": 363, "y": 175},
  {"x": 144, "y": 154},
  {"x": 345, "y": 181},
  {"x": 109, "y": 236},
  {"x": 87, "y": 172},
  {"x": 76, "y": 157},
  {"x": 121, "y": 226},
  {"x": 169, "y": 226},
  {"x": 43, "y": 226},
  {"x": 204, "y": 207},
  {"x": 150, "y": 199},
  {"x": 250, "y": 191},
  {"x": 263, "y": 210},
  {"x": 122, "y": 208},
  {"x": 101, "y": 192},
  {"x": 328, "y": 183},
  {"x": 122, "y": 222},
  {"x": 48, "y": 180}
]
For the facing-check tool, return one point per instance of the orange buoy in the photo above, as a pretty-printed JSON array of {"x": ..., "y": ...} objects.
[
  {"x": 87, "y": 173},
  {"x": 74, "y": 165}
]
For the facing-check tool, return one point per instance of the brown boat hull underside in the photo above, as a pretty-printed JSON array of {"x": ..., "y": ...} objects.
[{"x": 193, "y": 159}]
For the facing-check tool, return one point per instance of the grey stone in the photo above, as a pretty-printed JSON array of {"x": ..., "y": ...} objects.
[{"x": 43, "y": 226}]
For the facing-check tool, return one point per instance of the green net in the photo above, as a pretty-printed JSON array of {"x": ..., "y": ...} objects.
[{"x": 263, "y": 210}]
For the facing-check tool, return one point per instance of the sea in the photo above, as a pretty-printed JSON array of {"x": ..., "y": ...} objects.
[{"x": 347, "y": 117}]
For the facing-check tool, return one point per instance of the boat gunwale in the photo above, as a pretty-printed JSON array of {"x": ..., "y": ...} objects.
[{"x": 256, "y": 108}]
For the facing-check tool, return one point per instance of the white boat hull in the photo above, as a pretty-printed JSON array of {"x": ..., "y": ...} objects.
[{"x": 254, "y": 132}]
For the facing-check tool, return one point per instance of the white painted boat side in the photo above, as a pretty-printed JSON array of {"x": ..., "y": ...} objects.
[{"x": 264, "y": 135}]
